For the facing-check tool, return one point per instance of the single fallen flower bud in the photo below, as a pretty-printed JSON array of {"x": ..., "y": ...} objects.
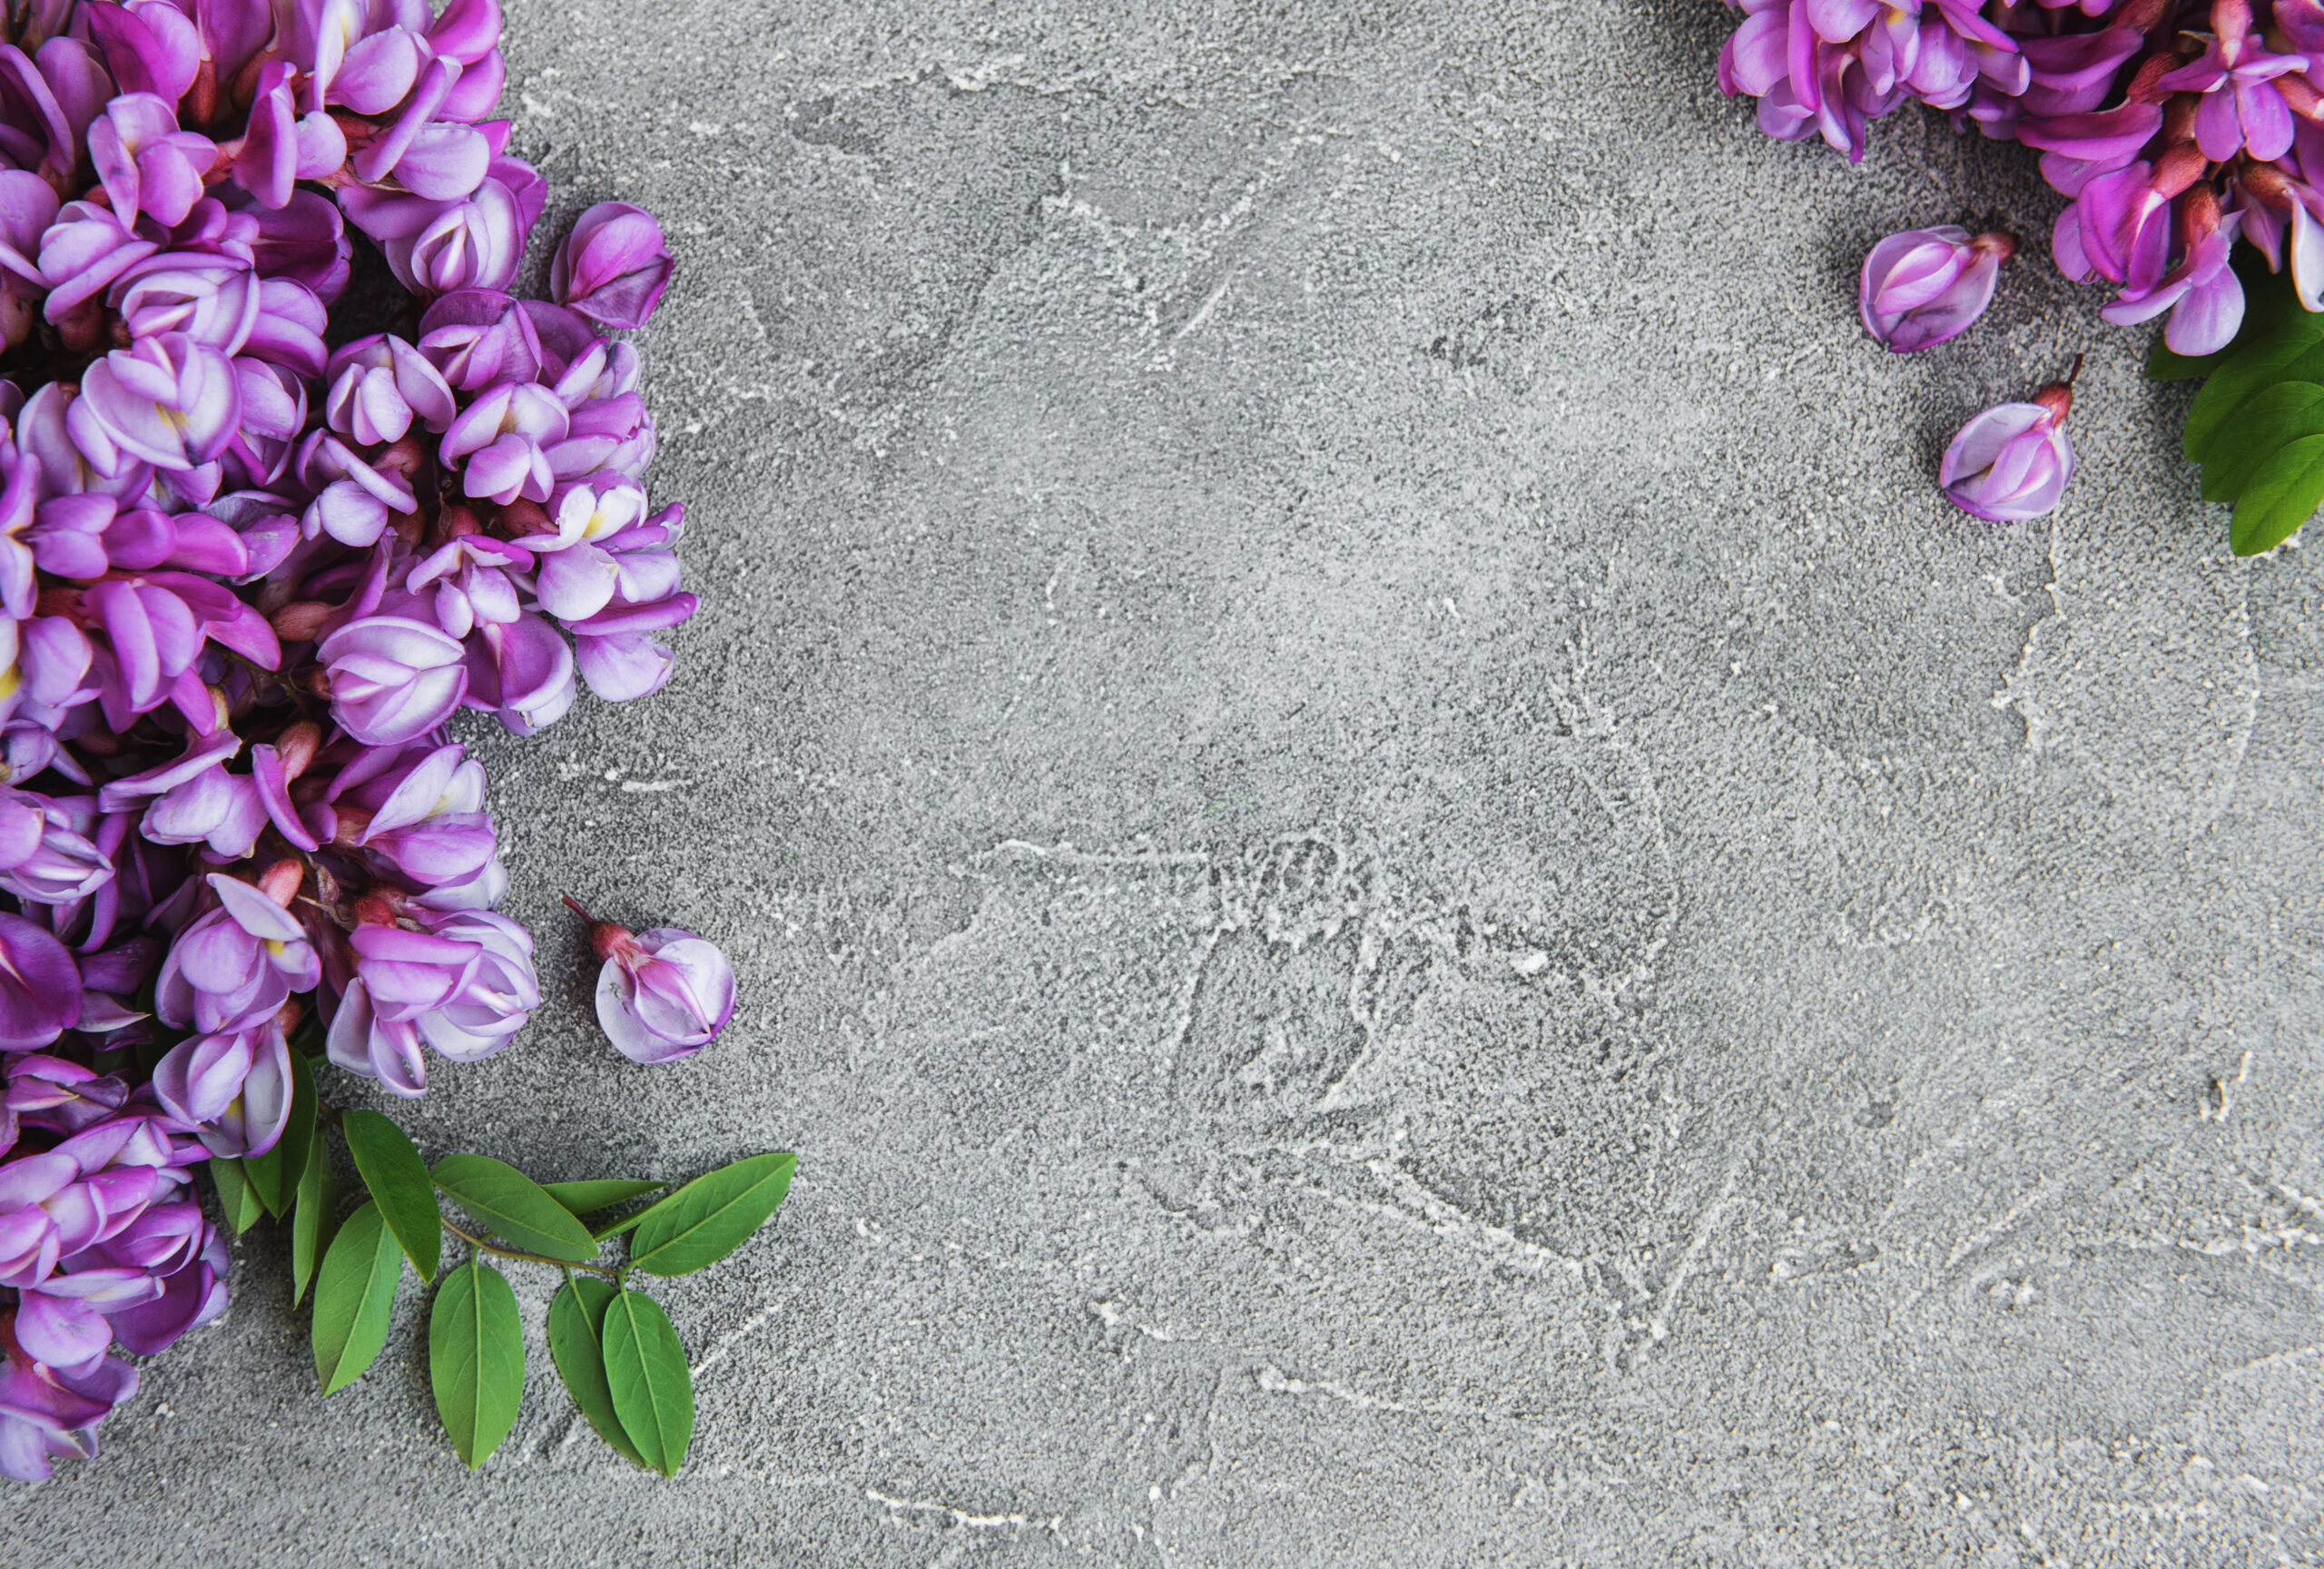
[
  {"x": 663, "y": 993},
  {"x": 2013, "y": 463},
  {"x": 1926, "y": 285}
]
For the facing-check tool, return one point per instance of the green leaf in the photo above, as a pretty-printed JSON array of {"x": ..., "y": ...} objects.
[
  {"x": 354, "y": 1295},
  {"x": 711, "y": 1216},
  {"x": 576, "y": 1343},
  {"x": 275, "y": 1174},
  {"x": 628, "y": 1222},
  {"x": 313, "y": 1222},
  {"x": 514, "y": 1206},
  {"x": 2282, "y": 494},
  {"x": 475, "y": 1359},
  {"x": 2211, "y": 418},
  {"x": 240, "y": 1206},
  {"x": 2264, "y": 426},
  {"x": 645, "y": 1372},
  {"x": 392, "y": 1169},
  {"x": 588, "y": 1197}
]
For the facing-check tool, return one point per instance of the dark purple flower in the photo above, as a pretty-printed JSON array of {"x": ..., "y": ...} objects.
[
  {"x": 2202, "y": 293},
  {"x": 1924, "y": 286},
  {"x": 48, "y": 1413},
  {"x": 2012, "y": 461},
  {"x": 662, "y": 994},
  {"x": 39, "y": 988},
  {"x": 613, "y": 267}
]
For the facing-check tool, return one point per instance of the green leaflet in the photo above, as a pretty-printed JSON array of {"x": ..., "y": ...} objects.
[
  {"x": 577, "y": 1331},
  {"x": 2265, "y": 425},
  {"x": 354, "y": 1295},
  {"x": 604, "y": 1193},
  {"x": 513, "y": 1206},
  {"x": 711, "y": 1216},
  {"x": 312, "y": 1224},
  {"x": 2253, "y": 423},
  {"x": 2281, "y": 493},
  {"x": 647, "y": 1374},
  {"x": 240, "y": 1205},
  {"x": 475, "y": 1359},
  {"x": 392, "y": 1169},
  {"x": 274, "y": 1176}
]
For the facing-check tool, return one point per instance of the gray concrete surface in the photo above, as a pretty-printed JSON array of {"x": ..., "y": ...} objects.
[{"x": 1410, "y": 897}]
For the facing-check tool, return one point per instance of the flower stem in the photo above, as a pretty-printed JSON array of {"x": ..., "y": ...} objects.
[{"x": 567, "y": 1265}]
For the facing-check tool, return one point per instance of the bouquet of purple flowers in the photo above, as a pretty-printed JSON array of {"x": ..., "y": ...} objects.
[
  {"x": 2189, "y": 135},
  {"x": 251, "y": 561}
]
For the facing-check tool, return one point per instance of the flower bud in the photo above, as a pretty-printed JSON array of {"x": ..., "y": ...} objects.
[
  {"x": 2014, "y": 461},
  {"x": 662, "y": 994},
  {"x": 1924, "y": 286}
]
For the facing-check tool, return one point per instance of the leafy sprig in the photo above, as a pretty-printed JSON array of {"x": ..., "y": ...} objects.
[
  {"x": 2256, "y": 425},
  {"x": 614, "y": 1347}
]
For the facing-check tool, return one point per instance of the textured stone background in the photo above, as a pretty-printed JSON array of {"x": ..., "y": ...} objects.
[{"x": 1410, "y": 898}]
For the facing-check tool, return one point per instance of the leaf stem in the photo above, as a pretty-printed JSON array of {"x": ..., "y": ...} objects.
[{"x": 568, "y": 1265}]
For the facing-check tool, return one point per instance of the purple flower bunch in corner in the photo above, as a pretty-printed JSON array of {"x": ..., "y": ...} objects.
[
  {"x": 247, "y": 580},
  {"x": 2178, "y": 128}
]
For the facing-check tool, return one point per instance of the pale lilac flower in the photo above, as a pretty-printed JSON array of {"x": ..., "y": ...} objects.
[
  {"x": 662, "y": 994},
  {"x": 1924, "y": 286},
  {"x": 378, "y": 386},
  {"x": 145, "y": 163},
  {"x": 392, "y": 678},
  {"x": 167, "y": 400},
  {"x": 232, "y": 1090},
  {"x": 463, "y": 985},
  {"x": 236, "y": 965}
]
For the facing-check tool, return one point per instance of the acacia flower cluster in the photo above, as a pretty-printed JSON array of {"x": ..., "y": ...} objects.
[
  {"x": 2178, "y": 128},
  {"x": 246, "y": 580}
]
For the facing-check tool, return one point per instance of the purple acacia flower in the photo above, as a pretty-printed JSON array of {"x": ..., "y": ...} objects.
[
  {"x": 232, "y": 1090},
  {"x": 392, "y": 678},
  {"x": 1924, "y": 286},
  {"x": 662, "y": 994},
  {"x": 2012, "y": 462},
  {"x": 613, "y": 267},
  {"x": 2241, "y": 108},
  {"x": 461, "y": 982},
  {"x": 49, "y": 1413},
  {"x": 2202, "y": 293},
  {"x": 39, "y": 988},
  {"x": 378, "y": 386},
  {"x": 44, "y": 859},
  {"x": 474, "y": 243},
  {"x": 236, "y": 965},
  {"x": 145, "y": 163},
  {"x": 168, "y": 400},
  {"x": 423, "y": 819}
]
